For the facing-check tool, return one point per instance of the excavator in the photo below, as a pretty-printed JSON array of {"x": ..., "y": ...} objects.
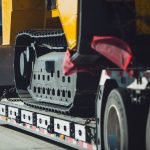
[{"x": 63, "y": 47}]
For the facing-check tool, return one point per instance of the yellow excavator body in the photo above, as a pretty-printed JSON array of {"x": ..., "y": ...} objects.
[
  {"x": 68, "y": 13},
  {"x": 20, "y": 15}
]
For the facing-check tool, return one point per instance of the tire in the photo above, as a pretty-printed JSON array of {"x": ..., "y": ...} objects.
[
  {"x": 124, "y": 123},
  {"x": 115, "y": 121},
  {"x": 148, "y": 132}
]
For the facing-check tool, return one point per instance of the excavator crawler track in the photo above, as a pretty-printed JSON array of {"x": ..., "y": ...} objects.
[{"x": 40, "y": 80}]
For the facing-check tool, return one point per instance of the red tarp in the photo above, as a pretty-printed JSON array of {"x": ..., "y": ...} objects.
[
  {"x": 69, "y": 67},
  {"x": 114, "y": 49}
]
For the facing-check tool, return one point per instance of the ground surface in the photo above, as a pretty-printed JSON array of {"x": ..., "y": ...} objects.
[{"x": 15, "y": 140}]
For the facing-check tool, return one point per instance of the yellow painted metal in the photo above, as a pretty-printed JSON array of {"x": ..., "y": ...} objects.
[
  {"x": 62, "y": 136},
  {"x": 54, "y": 13},
  {"x": 68, "y": 12},
  {"x": 143, "y": 16},
  {"x": 19, "y": 15}
]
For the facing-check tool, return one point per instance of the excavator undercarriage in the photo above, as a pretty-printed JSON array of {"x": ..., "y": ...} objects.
[{"x": 39, "y": 76}]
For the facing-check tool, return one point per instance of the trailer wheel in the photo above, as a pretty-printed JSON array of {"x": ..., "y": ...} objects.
[
  {"x": 115, "y": 121},
  {"x": 148, "y": 132}
]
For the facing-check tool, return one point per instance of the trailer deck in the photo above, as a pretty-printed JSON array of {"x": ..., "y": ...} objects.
[{"x": 71, "y": 131}]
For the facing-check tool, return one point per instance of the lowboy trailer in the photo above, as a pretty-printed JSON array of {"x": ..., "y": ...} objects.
[{"x": 81, "y": 71}]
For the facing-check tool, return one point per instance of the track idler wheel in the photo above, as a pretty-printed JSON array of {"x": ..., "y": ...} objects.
[{"x": 23, "y": 62}]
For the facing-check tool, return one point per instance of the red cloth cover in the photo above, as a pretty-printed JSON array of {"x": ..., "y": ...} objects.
[
  {"x": 116, "y": 50},
  {"x": 69, "y": 67},
  {"x": 113, "y": 48}
]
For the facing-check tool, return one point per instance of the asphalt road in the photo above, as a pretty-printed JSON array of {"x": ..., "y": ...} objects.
[{"x": 11, "y": 139}]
